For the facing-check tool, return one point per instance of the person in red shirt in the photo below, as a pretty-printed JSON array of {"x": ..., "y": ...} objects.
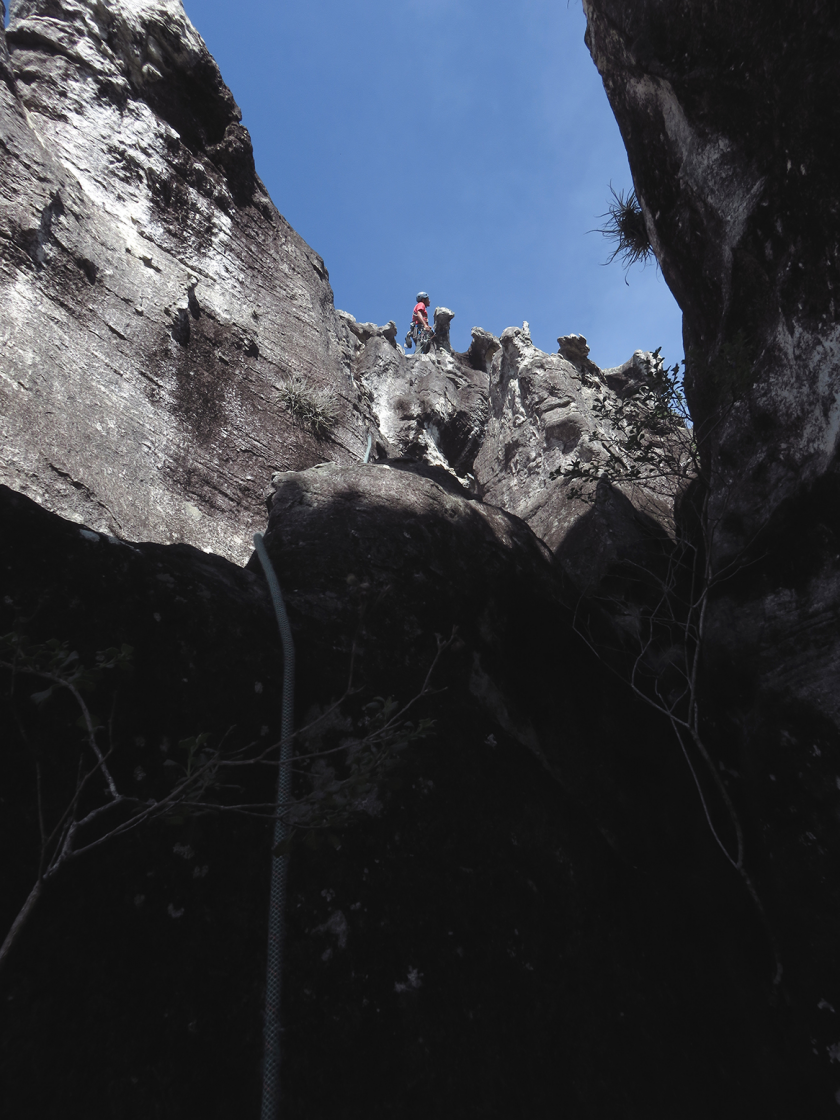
[
  {"x": 421, "y": 332},
  {"x": 421, "y": 315}
]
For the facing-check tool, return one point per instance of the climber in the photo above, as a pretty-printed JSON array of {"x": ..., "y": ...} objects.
[{"x": 420, "y": 332}]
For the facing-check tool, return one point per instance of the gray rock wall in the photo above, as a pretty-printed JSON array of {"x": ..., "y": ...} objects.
[
  {"x": 510, "y": 423},
  {"x": 729, "y": 115},
  {"x": 158, "y": 304},
  {"x": 738, "y": 193},
  {"x": 547, "y": 415},
  {"x": 154, "y": 298},
  {"x": 535, "y": 917}
]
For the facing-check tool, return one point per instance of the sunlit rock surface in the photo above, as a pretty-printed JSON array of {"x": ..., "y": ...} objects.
[
  {"x": 154, "y": 296},
  {"x": 547, "y": 414},
  {"x": 158, "y": 304},
  {"x": 510, "y": 423}
]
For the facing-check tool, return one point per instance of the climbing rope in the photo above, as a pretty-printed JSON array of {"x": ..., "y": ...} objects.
[
  {"x": 368, "y": 448},
  {"x": 279, "y": 863}
]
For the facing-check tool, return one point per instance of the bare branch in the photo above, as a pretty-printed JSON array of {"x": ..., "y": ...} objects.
[{"x": 91, "y": 730}]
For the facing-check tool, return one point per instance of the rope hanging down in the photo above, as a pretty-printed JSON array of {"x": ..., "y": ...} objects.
[{"x": 279, "y": 863}]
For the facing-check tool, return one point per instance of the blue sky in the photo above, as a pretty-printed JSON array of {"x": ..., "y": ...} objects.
[{"x": 461, "y": 146}]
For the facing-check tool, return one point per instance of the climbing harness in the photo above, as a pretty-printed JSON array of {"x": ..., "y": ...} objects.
[
  {"x": 279, "y": 862},
  {"x": 421, "y": 337}
]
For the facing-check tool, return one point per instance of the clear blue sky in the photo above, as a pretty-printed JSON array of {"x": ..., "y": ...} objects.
[{"x": 460, "y": 146}]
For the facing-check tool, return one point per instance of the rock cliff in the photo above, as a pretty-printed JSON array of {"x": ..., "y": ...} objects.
[
  {"x": 160, "y": 306},
  {"x": 510, "y": 900},
  {"x": 727, "y": 117},
  {"x": 156, "y": 299}
]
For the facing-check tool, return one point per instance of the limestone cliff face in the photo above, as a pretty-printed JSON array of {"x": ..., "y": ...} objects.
[
  {"x": 738, "y": 188},
  {"x": 157, "y": 305},
  {"x": 154, "y": 297},
  {"x": 730, "y": 116},
  {"x": 524, "y": 912}
]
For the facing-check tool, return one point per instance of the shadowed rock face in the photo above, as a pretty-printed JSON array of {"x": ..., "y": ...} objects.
[
  {"x": 524, "y": 889},
  {"x": 729, "y": 115},
  {"x": 738, "y": 204}
]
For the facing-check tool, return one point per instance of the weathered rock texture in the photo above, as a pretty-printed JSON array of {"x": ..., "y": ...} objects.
[
  {"x": 158, "y": 303},
  {"x": 430, "y": 407},
  {"x": 510, "y": 423},
  {"x": 729, "y": 115},
  {"x": 153, "y": 296},
  {"x": 525, "y": 914},
  {"x": 547, "y": 414}
]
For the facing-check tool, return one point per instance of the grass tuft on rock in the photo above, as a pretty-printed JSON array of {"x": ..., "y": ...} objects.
[
  {"x": 312, "y": 408},
  {"x": 625, "y": 226}
]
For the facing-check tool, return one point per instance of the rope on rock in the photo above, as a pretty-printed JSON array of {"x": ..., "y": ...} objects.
[
  {"x": 279, "y": 863},
  {"x": 368, "y": 448}
]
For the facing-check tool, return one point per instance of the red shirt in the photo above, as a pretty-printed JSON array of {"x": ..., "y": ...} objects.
[{"x": 420, "y": 315}]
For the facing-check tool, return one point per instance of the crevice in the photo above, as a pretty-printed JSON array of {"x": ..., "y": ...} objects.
[
  {"x": 181, "y": 327},
  {"x": 86, "y": 490},
  {"x": 36, "y": 248}
]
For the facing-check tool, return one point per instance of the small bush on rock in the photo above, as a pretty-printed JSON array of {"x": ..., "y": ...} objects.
[
  {"x": 313, "y": 408},
  {"x": 625, "y": 226}
]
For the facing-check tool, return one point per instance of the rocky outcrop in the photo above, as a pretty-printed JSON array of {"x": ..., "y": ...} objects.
[
  {"x": 155, "y": 299},
  {"x": 428, "y": 408},
  {"x": 482, "y": 349},
  {"x": 521, "y": 429},
  {"x": 550, "y": 418},
  {"x": 160, "y": 309},
  {"x": 575, "y": 350},
  {"x": 727, "y": 116},
  {"x": 443, "y": 319},
  {"x": 523, "y": 879},
  {"x": 364, "y": 332}
]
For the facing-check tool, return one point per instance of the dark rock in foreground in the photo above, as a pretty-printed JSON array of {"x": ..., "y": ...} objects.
[
  {"x": 526, "y": 916},
  {"x": 729, "y": 118}
]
